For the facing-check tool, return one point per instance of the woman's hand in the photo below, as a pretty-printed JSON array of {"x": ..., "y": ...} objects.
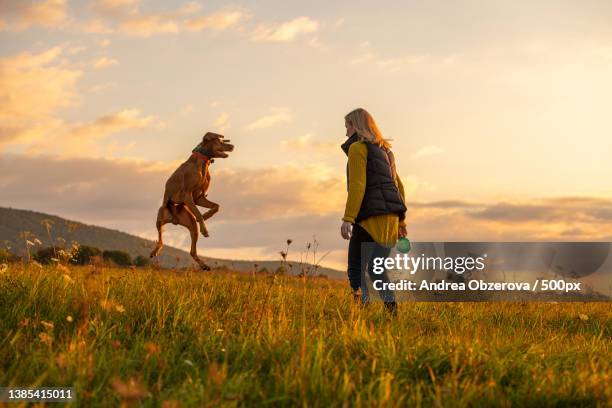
[
  {"x": 346, "y": 229},
  {"x": 402, "y": 232}
]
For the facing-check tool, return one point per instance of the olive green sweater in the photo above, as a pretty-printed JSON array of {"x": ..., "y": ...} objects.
[{"x": 382, "y": 228}]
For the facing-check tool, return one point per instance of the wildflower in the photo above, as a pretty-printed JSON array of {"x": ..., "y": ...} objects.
[
  {"x": 45, "y": 338},
  {"x": 289, "y": 241},
  {"x": 106, "y": 305},
  {"x": 69, "y": 319},
  {"x": 283, "y": 254},
  {"x": 47, "y": 325},
  {"x": 61, "y": 360},
  {"x": 3, "y": 267},
  {"x": 217, "y": 374},
  {"x": 152, "y": 348},
  {"x": 583, "y": 317},
  {"x": 131, "y": 390},
  {"x": 109, "y": 305}
]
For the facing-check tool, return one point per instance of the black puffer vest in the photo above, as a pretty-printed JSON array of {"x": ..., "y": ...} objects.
[{"x": 381, "y": 194}]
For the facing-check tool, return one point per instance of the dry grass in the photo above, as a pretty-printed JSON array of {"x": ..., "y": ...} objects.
[{"x": 184, "y": 338}]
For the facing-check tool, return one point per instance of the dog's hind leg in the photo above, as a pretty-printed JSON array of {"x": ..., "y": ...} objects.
[
  {"x": 206, "y": 203},
  {"x": 190, "y": 204},
  {"x": 186, "y": 219},
  {"x": 163, "y": 217}
]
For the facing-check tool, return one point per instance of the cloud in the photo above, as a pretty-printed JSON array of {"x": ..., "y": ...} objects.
[
  {"x": 561, "y": 209},
  {"x": 80, "y": 139},
  {"x": 110, "y": 124},
  {"x": 99, "y": 88},
  {"x": 244, "y": 193},
  {"x": 429, "y": 150},
  {"x": 126, "y": 194},
  {"x": 94, "y": 190},
  {"x": 127, "y": 17},
  {"x": 76, "y": 49},
  {"x": 32, "y": 88},
  {"x": 260, "y": 208},
  {"x": 104, "y": 62},
  {"x": 445, "y": 204},
  {"x": 93, "y": 26},
  {"x": 189, "y": 8},
  {"x": 306, "y": 142},
  {"x": 314, "y": 42},
  {"x": 222, "y": 122},
  {"x": 25, "y": 14},
  {"x": 217, "y": 21},
  {"x": 546, "y": 219},
  {"x": 148, "y": 25},
  {"x": 285, "y": 32},
  {"x": 115, "y": 8},
  {"x": 288, "y": 190},
  {"x": 276, "y": 116}
]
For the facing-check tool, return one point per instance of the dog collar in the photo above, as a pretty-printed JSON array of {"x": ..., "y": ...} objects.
[
  {"x": 201, "y": 153},
  {"x": 200, "y": 156}
]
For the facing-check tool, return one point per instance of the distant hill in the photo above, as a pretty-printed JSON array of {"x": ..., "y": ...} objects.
[{"x": 13, "y": 222}]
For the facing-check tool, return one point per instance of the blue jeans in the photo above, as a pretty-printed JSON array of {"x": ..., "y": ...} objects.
[{"x": 360, "y": 260}]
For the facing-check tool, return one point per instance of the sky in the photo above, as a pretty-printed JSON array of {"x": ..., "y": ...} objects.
[{"x": 499, "y": 114}]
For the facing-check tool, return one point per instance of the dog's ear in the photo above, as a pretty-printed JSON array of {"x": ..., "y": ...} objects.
[{"x": 209, "y": 136}]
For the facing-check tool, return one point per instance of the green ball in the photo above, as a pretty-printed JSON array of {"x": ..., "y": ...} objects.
[{"x": 403, "y": 245}]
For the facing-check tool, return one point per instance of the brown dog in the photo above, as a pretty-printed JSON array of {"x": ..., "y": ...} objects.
[{"x": 186, "y": 188}]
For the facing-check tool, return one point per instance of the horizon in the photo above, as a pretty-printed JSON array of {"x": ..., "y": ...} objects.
[{"x": 498, "y": 115}]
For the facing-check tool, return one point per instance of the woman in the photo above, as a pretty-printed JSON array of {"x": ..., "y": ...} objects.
[{"x": 375, "y": 209}]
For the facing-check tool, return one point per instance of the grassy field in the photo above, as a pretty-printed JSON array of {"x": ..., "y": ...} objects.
[{"x": 159, "y": 338}]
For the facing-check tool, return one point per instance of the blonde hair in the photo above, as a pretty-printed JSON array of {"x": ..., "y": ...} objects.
[{"x": 366, "y": 128}]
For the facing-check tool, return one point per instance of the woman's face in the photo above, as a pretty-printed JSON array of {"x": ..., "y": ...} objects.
[{"x": 349, "y": 128}]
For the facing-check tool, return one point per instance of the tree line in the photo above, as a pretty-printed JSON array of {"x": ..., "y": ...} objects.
[{"x": 81, "y": 255}]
